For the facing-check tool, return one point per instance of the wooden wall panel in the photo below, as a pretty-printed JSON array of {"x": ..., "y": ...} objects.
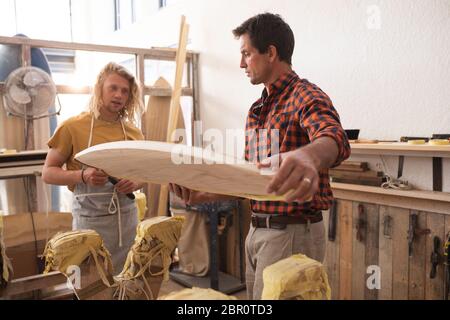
[
  {"x": 345, "y": 249},
  {"x": 332, "y": 257},
  {"x": 417, "y": 261},
  {"x": 372, "y": 246},
  {"x": 400, "y": 260},
  {"x": 434, "y": 288},
  {"x": 385, "y": 252},
  {"x": 358, "y": 253}
]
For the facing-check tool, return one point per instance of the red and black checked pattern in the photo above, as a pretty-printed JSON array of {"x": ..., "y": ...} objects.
[{"x": 294, "y": 114}]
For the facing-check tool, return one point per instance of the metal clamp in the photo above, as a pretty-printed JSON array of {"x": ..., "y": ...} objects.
[{"x": 414, "y": 231}]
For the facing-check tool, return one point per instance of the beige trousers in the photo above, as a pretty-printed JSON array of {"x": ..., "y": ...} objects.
[{"x": 265, "y": 246}]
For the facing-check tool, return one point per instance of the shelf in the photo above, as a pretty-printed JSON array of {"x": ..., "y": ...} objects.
[
  {"x": 416, "y": 194},
  {"x": 19, "y": 172},
  {"x": 430, "y": 201},
  {"x": 401, "y": 148}
]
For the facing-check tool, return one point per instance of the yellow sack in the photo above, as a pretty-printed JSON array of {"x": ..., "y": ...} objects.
[
  {"x": 297, "y": 277},
  {"x": 72, "y": 248},
  {"x": 5, "y": 263},
  {"x": 156, "y": 239},
  {"x": 141, "y": 204},
  {"x": 197, "y": 294}
]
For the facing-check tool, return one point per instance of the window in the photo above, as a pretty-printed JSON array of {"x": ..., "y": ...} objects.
[
  {"x": 165, "y": 3},
  {"x": 124, "y": 13}
]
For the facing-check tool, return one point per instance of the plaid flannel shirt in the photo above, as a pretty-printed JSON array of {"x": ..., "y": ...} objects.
[{"x": 301, "y": 112}]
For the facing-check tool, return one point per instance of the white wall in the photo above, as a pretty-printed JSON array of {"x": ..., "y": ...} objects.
[
  {"x": 390, "y": 81},
  {"x": 385, "y": 64}
]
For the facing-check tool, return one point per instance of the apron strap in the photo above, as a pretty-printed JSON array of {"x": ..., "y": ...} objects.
[{"x": 114, "y": 205}]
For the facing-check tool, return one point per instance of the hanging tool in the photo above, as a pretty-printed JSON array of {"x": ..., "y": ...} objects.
[
  {"x": 435, "y": 257},
  {"x": 447, "y": 267},
  {"x": 387, "y": 226},
  {"x": 414, "y": 231}
]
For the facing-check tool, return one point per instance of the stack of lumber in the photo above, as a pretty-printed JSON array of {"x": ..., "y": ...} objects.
[{"x": 356, "y": 173}]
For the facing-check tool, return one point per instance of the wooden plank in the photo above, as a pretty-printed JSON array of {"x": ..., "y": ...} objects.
[
  {"x": 180, "y": 60},
  {"x": 428, "y": 201},
  {"x": 332, "y": 259},
  {"x": 417, "y": 261},
  {"x": 345, "y": 250},
  {"x": 155, "y": 122},
  {"x": 434, "y": 288},
  {"x": 192, "y": 167},
  {"x": 360, "y": 181},
  {"x": 372, "y": 247},
  {"x": 418, "y": 194},
  {"x": 401, "y": 148},
  {"x": 153, "y": 53},
  {"x": 175, "y": 109},
  {"x": 18, "y": 228},
  {"x": 18, "y": 172},
  {"x": 36, "y": 282},
  {"x": 400, "y": 260},
  {"x": 385, "y": 253},
  {"x": 195, "y": 99},
  {"x": 354, "y": 175},
  {"x": 146, "y": 90},
  {"x": 359, "y": 249}
]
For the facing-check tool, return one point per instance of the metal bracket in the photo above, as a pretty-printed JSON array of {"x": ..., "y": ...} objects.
[
  {"x": 401, "y": 161},
  {"x": 387, "y": 226},
  {"x": 437, "y": 174},
  {"x": 435, "y": 258},
  {"x": 361, "y": 224}
]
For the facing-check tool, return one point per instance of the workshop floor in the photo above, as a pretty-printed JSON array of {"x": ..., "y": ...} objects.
[{"x": 171, "y": 286}]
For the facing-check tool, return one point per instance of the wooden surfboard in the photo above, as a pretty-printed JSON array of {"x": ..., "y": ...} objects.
[
  {"x": 155, "y": 123},
  {"x": 192, "y": 167}
]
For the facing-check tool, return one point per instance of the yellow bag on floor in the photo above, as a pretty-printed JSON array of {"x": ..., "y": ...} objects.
[
  {"x": 72, "y": 248},
  {"x": 197, "y": 294},
  {"x": 297, "y": 277},
  {"x": 156, "y": 239}
]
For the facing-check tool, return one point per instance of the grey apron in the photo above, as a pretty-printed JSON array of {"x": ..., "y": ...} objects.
[{"x": 113, "y": 215}]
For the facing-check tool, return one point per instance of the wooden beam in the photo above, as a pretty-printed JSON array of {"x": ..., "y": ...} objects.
[
  {"x": 401, "y": 148},
  {"x": 416, "y": 194},
  {"x": 28, "y": 284},
  {"x": 147, "y": 90},
  {"x": 154, "y": 53},
  {"x": 19, "y": 172},
  {"x": 175, "y": 107}
]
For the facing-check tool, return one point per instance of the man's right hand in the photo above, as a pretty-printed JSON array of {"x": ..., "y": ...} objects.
[
  {"x": 191, "y": 197},
  {"x": 94, "y": 177}
]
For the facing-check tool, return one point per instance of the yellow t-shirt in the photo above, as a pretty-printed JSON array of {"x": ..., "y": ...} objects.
[{"x": 72, "y": 136}]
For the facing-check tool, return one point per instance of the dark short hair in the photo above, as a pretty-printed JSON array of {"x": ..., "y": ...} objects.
[{"x": 267, "y": 29}]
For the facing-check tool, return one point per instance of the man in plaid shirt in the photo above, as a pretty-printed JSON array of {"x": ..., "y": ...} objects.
[{"x": 299, "y": 119}]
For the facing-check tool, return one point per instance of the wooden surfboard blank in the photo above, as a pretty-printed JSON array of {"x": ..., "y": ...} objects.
[
  {"x": 151, "y": 161},
  {"x": 155, "y": 121}
]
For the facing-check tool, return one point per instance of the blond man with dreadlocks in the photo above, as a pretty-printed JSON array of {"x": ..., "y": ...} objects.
[{"x": 98, "y": 204}]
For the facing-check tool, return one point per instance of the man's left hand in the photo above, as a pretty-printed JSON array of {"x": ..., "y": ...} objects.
[
  {"x": 297, "y": 175},
  {"x": 126, "y": 186}
]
